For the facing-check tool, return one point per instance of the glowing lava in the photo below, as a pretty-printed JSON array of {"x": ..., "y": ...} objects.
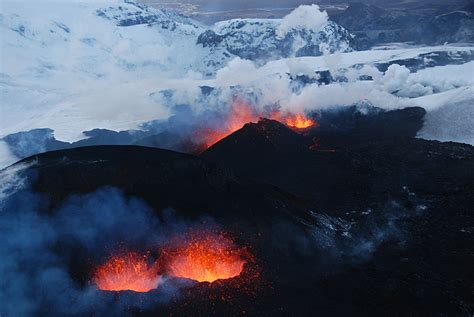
[
  {"x": 239, "y": 114},
  {"x": 206, "y": 257},
  {"x": 128, "y": 272},
  {"x": 299, "y": 121}
]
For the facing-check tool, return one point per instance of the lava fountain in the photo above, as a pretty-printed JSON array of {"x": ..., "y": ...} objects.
[
  {"x": 299, "y": 121},
  {"x": 127, "y": 272},
  {"x": 206, "y": 257},
  {"x": 295, "y": 121},
  {"x": 239, "y": 114}
]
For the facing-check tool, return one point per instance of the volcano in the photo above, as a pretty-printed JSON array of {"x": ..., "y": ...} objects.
[
  {"x": 265, "y": 138},
  {"x": 368, "y": 221},
  {"x": 330, "y": 162}
]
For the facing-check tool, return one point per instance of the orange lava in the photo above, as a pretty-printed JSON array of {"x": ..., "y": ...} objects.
[
  {"x": 206, "y": 257},
  {"x": 239, "y": 114},
  {"x": 127, "y": 272},
  {"x": 299, "y": 121},
  {"x": 295, "y": 121}
]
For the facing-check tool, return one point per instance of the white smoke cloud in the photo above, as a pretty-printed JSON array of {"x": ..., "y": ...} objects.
[
  {"x": 395, "y": 77},
  {"x": 396, "y": 88},
  {"x": 11, "y": 180},
  {"x": 244, "y": 71},
  {"x": 66, "y": 68},
  {"x": 6, "y": 156},
  {"x": 98, "y": 75},
  {"x": 304, "y": 17}
]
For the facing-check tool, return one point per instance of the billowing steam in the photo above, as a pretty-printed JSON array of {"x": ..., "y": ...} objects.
[
  {"x": 183, "y": 88},
  {"x": 75, "y": 252},
  {"x": 304, "y": 17}
]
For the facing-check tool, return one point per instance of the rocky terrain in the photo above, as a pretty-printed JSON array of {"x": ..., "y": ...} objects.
[
  {"x": 423, "y": 24},
  {"x": 348, "y": 217}
]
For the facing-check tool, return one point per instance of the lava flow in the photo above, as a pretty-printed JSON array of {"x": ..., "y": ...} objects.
[
  {"x": 127, "y": 272},
  {"x": 206, "y": 257}
]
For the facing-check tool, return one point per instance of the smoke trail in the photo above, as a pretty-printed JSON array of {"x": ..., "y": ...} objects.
[{"x": 46, "y": 260}]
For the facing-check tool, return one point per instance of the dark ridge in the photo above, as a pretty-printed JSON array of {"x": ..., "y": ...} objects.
[
  {"x": 419, "y": 193},
  {"x": 347, "y": 167},
  {"x": 266, "y": 138},
  {"x": 364, "y": 123},
  {"x": 162, "y": 178}
]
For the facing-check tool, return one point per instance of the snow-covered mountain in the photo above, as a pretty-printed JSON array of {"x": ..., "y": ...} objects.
[
  {"x": 81, "y": 59},
  {"x": 257, "y": 39},
  {"x": 91, "y": 37},
  {"x": 306, "y": 31}
]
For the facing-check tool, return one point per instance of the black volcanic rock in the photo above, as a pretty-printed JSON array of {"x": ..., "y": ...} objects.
[
  {"x": 159, "y": 177},
  {"x": 376, "y": 227},
  {"x": 169, "y": 141},
  {"x": 358, "y": 159},
  {"x": 363, "y": 123},
  {"x": 433, "y": 180},
  {"x": 267, "y": 138}
]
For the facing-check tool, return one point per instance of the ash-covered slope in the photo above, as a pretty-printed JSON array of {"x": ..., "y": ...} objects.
[
  {"x": 267, "y": 138},
  {"x": 126, "y": 193},
  {"x": 349, "y": 160},
  {"x": 161, "y": 178},
  {"x": 432, "y": 182},
  {"x": 391, "y": 214}
]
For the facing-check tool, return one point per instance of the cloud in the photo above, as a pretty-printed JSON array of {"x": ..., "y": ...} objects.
[
  {"x": 303, "y": 17},
  {"x": 98, "y": 75},
  {"x": 6, "y": 156},
  {"x": 244, "y": 71},
  {"x": 54, "y": 253},
  {"x": 11, "y": 180}
]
